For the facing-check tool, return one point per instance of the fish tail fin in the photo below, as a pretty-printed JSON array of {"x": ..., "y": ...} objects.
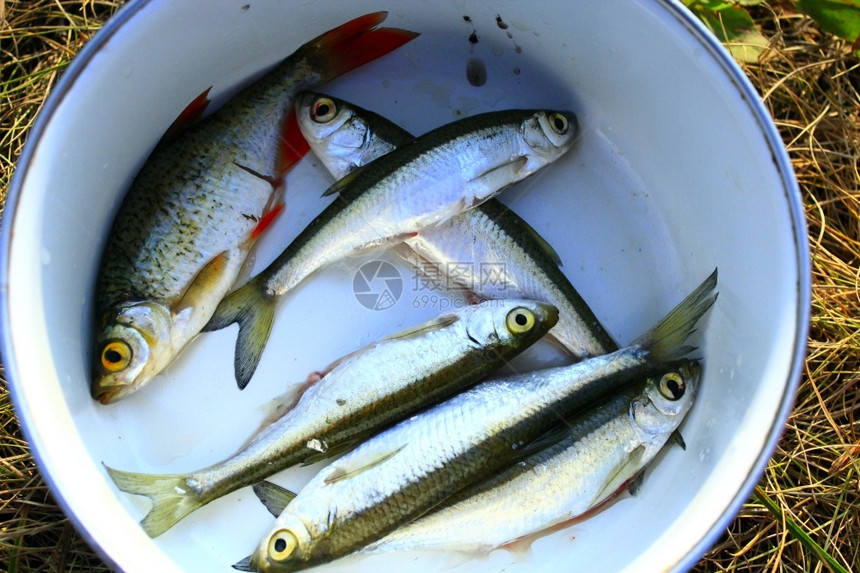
[
  {"x": 172, "y": 498},
  {"x": 665, "y": 341},
  {"x": 255, "y": 312},
  {"x": 356, "y": 43}
]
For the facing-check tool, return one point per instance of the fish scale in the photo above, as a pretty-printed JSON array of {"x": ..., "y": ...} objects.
[
  {"x": 401, "y": 473},
  {"x": 491, "y": 238},
  {"x": 598, "y": 453},
  {"x": 450, "y": 169},
  {"x": 191, "y": 215},
  {"x": 355, "y": 397}
]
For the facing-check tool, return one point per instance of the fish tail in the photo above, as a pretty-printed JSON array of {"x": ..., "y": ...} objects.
[
  {"x": 665, "y": 342},
  {"x": 255, "y": 312},
  {"x": 172, "y": 498},
  {"x": 357, "y": 42}
]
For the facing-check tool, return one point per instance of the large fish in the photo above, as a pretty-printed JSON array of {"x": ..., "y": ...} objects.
[
  {"x": 601, "y": 452},
  {"x": 193, "y": 212},
  {"x": 400, "y": 474},
  {"x": 440, "y": 174},
  {"x": 357, "y": 396},
  {"x": 503, "y": 255}
]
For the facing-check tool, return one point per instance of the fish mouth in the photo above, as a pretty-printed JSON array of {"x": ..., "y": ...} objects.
[
  {"x": 106, "y": 396},
  {"x": 110, "y": 394}
]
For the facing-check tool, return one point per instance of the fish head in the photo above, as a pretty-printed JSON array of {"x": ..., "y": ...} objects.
[
  {"x": 510, "y": 323},
  {"x": 666, "y": 399},
  {"x": 130, "y": 349},
  {"x": 547, "y": 135},
  {"x": 320, "y": 115},
  {"x": 284, "y": 548},
  {"x": 332, "y": 129}
]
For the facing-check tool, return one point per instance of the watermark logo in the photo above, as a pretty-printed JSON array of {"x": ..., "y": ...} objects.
[
  {"x": 377, "y": 285},
  {"x": 460, "y": 276}
]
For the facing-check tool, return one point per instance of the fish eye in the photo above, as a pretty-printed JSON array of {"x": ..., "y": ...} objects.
[
  {"x": 672, "y": 386},
  {"x": 116, "y": 355},
  {"x": 323, "y": 110},
  {"x": 282, "y": 545},
  {"x": 520, "y": 320},
  {"x": 559, "y": 123}
]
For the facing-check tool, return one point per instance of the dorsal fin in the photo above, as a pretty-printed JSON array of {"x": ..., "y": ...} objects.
[{"x": 192, "y": 112}]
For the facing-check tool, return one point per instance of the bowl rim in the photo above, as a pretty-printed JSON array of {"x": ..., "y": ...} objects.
[{"x": 673, "y": 8}]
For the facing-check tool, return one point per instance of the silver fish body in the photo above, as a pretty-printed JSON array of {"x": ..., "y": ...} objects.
[
  {"x": 398, "y": 475},
  {"x": 601, "y": 451},
  {"x": 186, "y": 225},
  {"x": 357, "y": 396},
  {"x": 498, "y": 253},
  {"x": 438, "y": 175}
]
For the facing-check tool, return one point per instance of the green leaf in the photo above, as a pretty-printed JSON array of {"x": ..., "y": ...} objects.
[
  {"x": 838, "y": 17},
  {"x": 798, "y": 531},
  {"x": 732, "y": 25}
]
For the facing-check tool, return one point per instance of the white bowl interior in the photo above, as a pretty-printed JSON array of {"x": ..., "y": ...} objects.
[{"x": 677, "y": 172}]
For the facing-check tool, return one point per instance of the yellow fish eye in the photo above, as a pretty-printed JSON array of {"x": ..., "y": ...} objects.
[
  {"x": 672, "y": 386},
  {"x": 116, "y": 355},
  {"x": 282, "y": 545},
  {"x": 559, "y": 123},
  {"x": 520, "y": 320},
  {"x": 323, "y": 110}
]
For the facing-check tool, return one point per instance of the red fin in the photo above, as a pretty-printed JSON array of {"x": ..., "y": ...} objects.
[
  {"x": 359, "y": 41},
  {"x": 267, "y": 220},
  {"x": 191, "y": 113},
  {"x": 294, "y": 146}
]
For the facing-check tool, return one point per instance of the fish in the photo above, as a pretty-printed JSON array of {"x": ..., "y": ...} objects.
[
  {"x": 403, "y": 472},
  {"x": 600, "y": 453},
  {"x": 445, "y": 171},
  {"x": 195, "y": 209},
  {"x": 511, "y": 257},
  {"x": 355, "y": 397}
]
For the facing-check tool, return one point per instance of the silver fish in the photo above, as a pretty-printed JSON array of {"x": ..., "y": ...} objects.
[
  {"x": 601, "y": 452},
  {"x": 356, "y": 396},
  {"x": 400, "y": 474},
  {"x": 438, "y": 175},
  {"x": 492, "y": 237},
  {"x": 194, "y": 210}
]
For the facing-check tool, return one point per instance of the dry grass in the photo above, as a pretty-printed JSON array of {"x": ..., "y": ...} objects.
[{"x": 810, "y": 83}]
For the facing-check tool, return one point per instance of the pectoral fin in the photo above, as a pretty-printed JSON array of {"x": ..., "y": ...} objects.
[
  {"x": 500, "y": 176},
  {"x": 543, "y": 244},
  {"x": 427, "y": 326},
  {"x": 201, "y": 287},
  {"x": 274, "y": 497},
  {"x": 619, "y": 476},
  {"x": 345, "y": 468},
  {"x": 341, "y": 184},
  {"x": 677, "y": 439}
]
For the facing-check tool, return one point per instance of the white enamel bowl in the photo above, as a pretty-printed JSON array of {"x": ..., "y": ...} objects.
[{"x": 679, "y": 170}]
